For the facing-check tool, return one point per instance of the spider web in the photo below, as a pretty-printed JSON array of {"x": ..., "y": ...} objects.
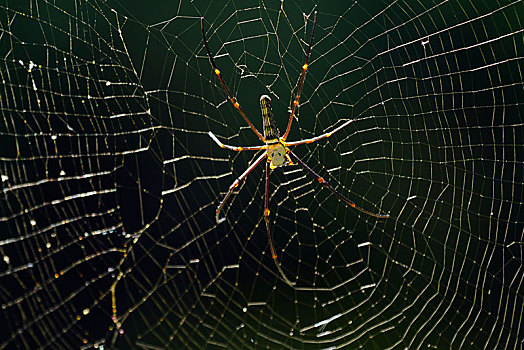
[{"x": 110, "y": 181}]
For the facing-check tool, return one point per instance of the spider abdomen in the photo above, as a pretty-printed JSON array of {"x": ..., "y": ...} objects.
[{"x": 271, "y": 132}]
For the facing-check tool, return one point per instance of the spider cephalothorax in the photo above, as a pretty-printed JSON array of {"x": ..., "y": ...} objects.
[
  {"x": 276, "y": 154},
  {"x": 276, "y": 148}
]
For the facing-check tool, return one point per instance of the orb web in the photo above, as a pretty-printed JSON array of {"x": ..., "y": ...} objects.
[{"x": 110, "y": 181}]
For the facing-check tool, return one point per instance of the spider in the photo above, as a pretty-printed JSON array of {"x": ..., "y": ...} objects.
[{"x": 276, "y": 148}]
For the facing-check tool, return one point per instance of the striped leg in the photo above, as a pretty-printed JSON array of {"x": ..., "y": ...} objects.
[
  {"x": 235, "y": 148},
  {"x": 320, "y": 137},
  {"x": 332, "y": 189},
  {"x": 266, "y": 219},
  {"x": 235, "y": 185},
  {"x": 228, "y": 93}
]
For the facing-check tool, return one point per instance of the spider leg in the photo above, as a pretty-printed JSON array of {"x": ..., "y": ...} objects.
[
  {"x": 226, "y": 89},
  {"x": 319, "y": 137},
  {"x": 266, "y": 219},
  {"x": 235, "y": 185},
  {"x": 335, "y": 192},
  {"x": 301, "y": 81},
  {"x": 236, "y": 148}
]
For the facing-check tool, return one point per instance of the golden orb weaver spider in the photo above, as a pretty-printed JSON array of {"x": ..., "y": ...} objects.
[{"x": 276, "y": 148}]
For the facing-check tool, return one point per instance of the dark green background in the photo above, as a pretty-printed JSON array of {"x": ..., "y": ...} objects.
[{"x": 113, "y": 180}]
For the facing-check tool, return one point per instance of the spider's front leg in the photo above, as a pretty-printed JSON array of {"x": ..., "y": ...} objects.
[
  {"x": 323, "y": 182},
  {"x": 235, "y": 185},
  {"x": 266, "y": 219},
  {"x": 266, "y": 211}
]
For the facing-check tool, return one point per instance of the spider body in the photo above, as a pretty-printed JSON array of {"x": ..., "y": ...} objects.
[{"x": 276, "y": 148}]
